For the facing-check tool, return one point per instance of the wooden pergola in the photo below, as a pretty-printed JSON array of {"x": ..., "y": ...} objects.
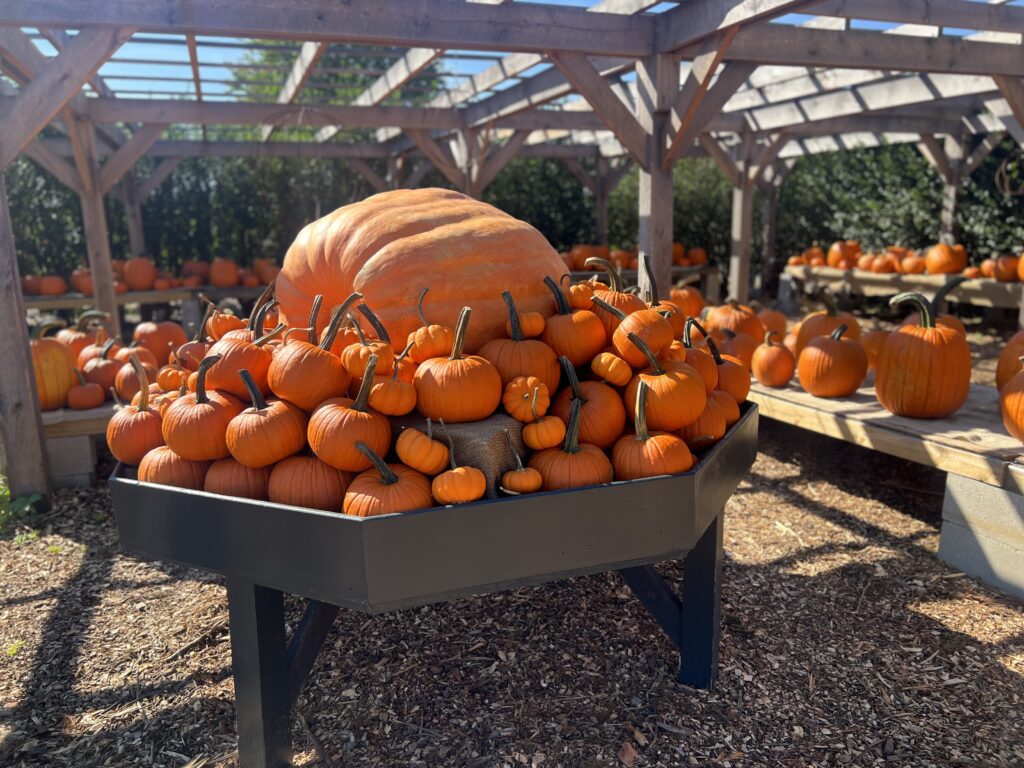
[{"x": 621, "y": 82}]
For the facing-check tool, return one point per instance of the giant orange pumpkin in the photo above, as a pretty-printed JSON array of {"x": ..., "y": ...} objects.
[{"x": 385, "y": 245}]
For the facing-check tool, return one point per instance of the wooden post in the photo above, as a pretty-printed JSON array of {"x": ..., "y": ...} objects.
[
  {"x": 657, "y": 84},
  {"x": 742, "y": 226},
  {"x": 133, "y": 214},
  {"x": 23, "y": 453},
  {"x": 770, "y": 192},
  {"x": 97, "y": 237},
  {"x": 601, "y": 193}
]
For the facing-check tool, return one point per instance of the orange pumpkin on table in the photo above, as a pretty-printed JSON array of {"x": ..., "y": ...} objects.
[
  {"x": 1006, "y": 269},
  {"x": 772, "y": 364},
  {"x": 52, "y": 367},
  {"x": 735, "y": 317},
  {"x": 602, "y": 414},
  {"x": 53, "y": 285},
  {"x": 164, "y": 467},
  {"x": 1011, "y": 404},
  {"x": 195, "y": 425},
  {"x": 945, "y": 259},
  {"x": 1009, "y": 359},
  {"x": 831, "y": 366},
  {"x": 689, "y": 300},
  {"x": 223, "y": 273},
  {"x": 872, "y": 342},
  {"x": 822, "y": 323},
  {"x": 139, "y": 273},
  {"x": 573, "y": 464},
  {"x": 518, "y": 355},
  {"x": 338, "y": 424},
  {"x": 305, "y": 481},
  {"x": 135, "y": 430},
  {"x": 160, "y": 338},
  {"x": 988, "y": 267}
]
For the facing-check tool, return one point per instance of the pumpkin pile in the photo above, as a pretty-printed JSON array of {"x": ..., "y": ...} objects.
[
  {"x": 305, "y": 414},
  {"x": 575, "y": 259}
]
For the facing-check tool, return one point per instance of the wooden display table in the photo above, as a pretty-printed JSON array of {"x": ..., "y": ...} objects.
[
  {"x": 707, "y": 275},
  {"x": 81, "y": 301},
  {"x": 983, "y": 509},
  {"x": 71, "y": 444}
]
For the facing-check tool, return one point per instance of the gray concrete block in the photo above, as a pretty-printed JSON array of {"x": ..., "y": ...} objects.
[
  {"x": 990, "y": 511},
  {"x": 995, "y": 562},
  {"x": 72, "y": 461}
]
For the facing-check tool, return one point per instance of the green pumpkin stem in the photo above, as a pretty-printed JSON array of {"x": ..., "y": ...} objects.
[
  {"x": 572, "y": 378},
  {"x": 572, "y": 429},
  {"x": 335, "y": 324},
  {"x": 378, "y": 326},
  {"x": 401, "y": 356},
  {"x": 451, "y": 446},
  {"x": 640, "y": 416},
  {"x": 837, "y": 334},
  {"x": 515, "y": 453},
  {"x": 923, "y": 307},
  {"x": 460, "y": 334},
  {"x": 609, "y": 308},
  {"x": 513, "y": 317},
  {"x": 943, "y": 292},
  {"x": 419, "y": 307},
  {"x": 533, "y": 403},
  {"x": 387, "y": 476},
  {"x": 639, "y": 343},
  {"x": 314, "y": 313},
  {"x": 614, "y": 279},
  {"x": 561, "y": 304},
  {"x": 258, "y": 401},
  {"x": 363, "y": 396},
  {"x": 140, "y": 374},
  {"x": 359, "y": 331},
  {"x": 204, "y": 365},
  {"x": 86, "y": 318}
]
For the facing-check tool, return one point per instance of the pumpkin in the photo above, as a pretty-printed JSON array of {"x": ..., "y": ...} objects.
[
  {"x": 223, "y": 273},
  {"x": 700, "y": 360},
  {"x": 602, "y": 414},
  {"x": 164, "y": 467},
  {"x": 195, "y": 425},
  {"x": 923, "y": 372},
  {"x": 574, "y": 464},
  {"x": 392, "y": 395},
  {"x": 1009, "y": 359},
  {"x": 945, "y": 319},
  {"x": 647, "y": 324},
  {"x": 645, "y": 453},
  {"x": 30, "y": 285},
  {"x": 526, "y": 398},
  {"x": 740, "y": 346},
  {"x": 305, "y": 372},
  {"x": 912, "y": 264},
  {"x": 519, "y": 355},
  {"x": 773, "y": 320},
  {"x": 689, "y": 300},
  {"x": 171, "y": 377},
  {"x": 234, "y": 354},
  {"x": 229, "y": 478},
  {"x": 356, "y": 356},
  {"x": 53, "y": 285},
  {"x": 611, "y": 369},
  {"x": 872, "y": 342},
  {"x": 614, "y": 296},
  {"x": 945, "y": 259},
  {"x": 134, "y": 431},
  {"x": 733, "y": 376},
  {"x": 126, "y": 382},
  {"x": 52, "y": 369},
  {"x": 885, "y": 263},
  {"x": 191, "y": 352},
  {"x": 711, "y": 425},
  {"x": 305, "y": 481},
  {"x": 971, "y": 273},
  {"x": 677, "y": 394},
  {"x": 1011, "y": 404},
  {"x": 95, "y": 349},
  {"x": 266, "y": 432},
  {"x": 831, "y": 366},
  {"x": 580, "y": 294},
  {"x": 522, "y": 479},
  {"x": 429, "y": 340},
  {"x": 574, "y": 333},
  {"x": 82, "y": 333},
  {"x": 459, "y": 387},
  {"x": 146, "y": 357},
  {"x": 531, "y": 325},
  {"x": 866, "y": 261},
  {"x": 822, "y": 323},
  {"x": 730, "y": 407},
  {"x": 220, "y": 323},
  {"x": 696, "y": 256},
  {"x": 735, "y": 317},
  {"x": 459, "y": 484},
  {"x": 385, "y": 489},
  {"x": 160, "y": 338},
  {"x": 772, "y": 364},
  {"x": 796, "y": 260},
  {"x": 421, "y": 451},
  {"x": 988, "y": 267},
  {"x": 842, "y": 254},
  {"x": 103, "y": 369},
  {"x": 85, "y": 394},
  {"x": 384, "y": 244}
]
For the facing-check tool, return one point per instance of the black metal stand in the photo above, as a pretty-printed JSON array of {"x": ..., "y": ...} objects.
[{"x": 269, "y": 676}]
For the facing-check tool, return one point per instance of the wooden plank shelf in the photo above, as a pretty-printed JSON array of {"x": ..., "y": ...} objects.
[
  {"x": 70, "y": 423},
  {"x": 80, "y": 300}
]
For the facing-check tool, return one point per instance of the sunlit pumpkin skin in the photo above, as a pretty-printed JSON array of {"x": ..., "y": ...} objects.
[
  {"x": 305, "y": 481},
  {"x": 611, "y": 369},
  {"x": 733, "y": 376},
  {"x": 134, "y": 431},
  {"x": 677, "y": 395},
  {"x": 52, "y": 368},
  {"x": 872, "y": 342},
  {"x": 573, "y": 464},
  {"x": 82, "y": 333},
  {"x": 648, "y": 324},
  {"x": 730, "y": 407},
  {"x": 1011, "y": 405},
  {"x": 773, "y": 320},
  {"x": 163, "y": 466},
  {"x": 102, "y": 369},
  {"x": 195, "y": 425},
  {"x": 229, "y": 478},
  {"x": 602, "y": 414},
  {"x": 160, "y": 338},
  {"x": 521, "y": 479},
  {"x": 421, "y": 451},
  {"x": 1009, "y": 359},
  {"x": 832, "y": 366},
  {"x": 545, "y": 432},
  {"x": 430, "y": 339},
  {"x": 386, "y": 243},
  {"x": 822, "y": 323},
  {"x": 574, "y": 333},
  {"x": 735, "y": 317},
  {"x": 710, "y": 426},
  {"x": 581, "y": 294},
  {"x": 740, "y": 346},
  {"x": 458, "y": 485},
  {"x": 842, "y": 254},
  {"x": 267, "y": 431},
  {"x": 626, "y": 303},
  {"x": 338, "y": 424},
  {"x": 391, "y": 394},
  {"x": 356, "y": 356},
  {"x": 526, "y": 398},
  {"x": 772, "y": 364},
  {"x": 699, "y": 359},
  {"x": 233, "y": 355},
  {"x": 945, "y": 259},
  {"x": 912, "y": 265},
  {"x": 518, "y": 355},
  {"x": 85, "y": 394},
  {"x": 221, "y": 323},
  {"x": 459, "y": 387},
  {"x": 145, "y": 356},
  {"x": 646, "y": 453},
  {"x": 923, "y": 372},
  {"x": 386, "y": 489},
  {"x": 126, "y": 382}
]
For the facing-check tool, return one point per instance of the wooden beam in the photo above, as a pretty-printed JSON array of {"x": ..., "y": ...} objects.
[
  {"x": 375, "y": 180},
  {"x": 766, "y": 157},
  {"x": 582, "y": 176},
  {"x": 450, "y": 24},
  {"x": 59, "y": 39},
  {"x": 935, "y": 154},
  {"x": 157, "y": 176},
  {"x": 695, "y": 20},
  {"x": 193, "y": 61},
  {"x": 982, "y": 151},
  {"x": 40, "y": 101},
  {"x": 303, "y": 66},
  {"x": 292, "y": 149},
  {"x": 742, "y": 226},
  {"x": 97, "y": 238},
  {"x": 123, "y": 160},
  {"x": 413, "y": 179},
  {"x": 23, "y": 453},
  {"x": 57, "y": 167},
  {"x": 133, "y": 214},
  {"x": 1012, "y": 89},
  {"x": 992, "y": 16},
  {"x": 721, "y": 158},
  {"x": 437, "y": 156},
  {"x": 500, "y": 157},
  {"x": 588, "y": 81}
]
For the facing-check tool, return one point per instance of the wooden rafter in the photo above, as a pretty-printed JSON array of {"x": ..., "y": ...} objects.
[
  {"x": 122, "y": 161},
  {"x": 157, "y": 176},
  {"x": 306, "y": 61},
  {"x": 438, "y": 156}
]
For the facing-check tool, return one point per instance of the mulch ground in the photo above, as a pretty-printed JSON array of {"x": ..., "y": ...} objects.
[{"x": 845, "y": 642}]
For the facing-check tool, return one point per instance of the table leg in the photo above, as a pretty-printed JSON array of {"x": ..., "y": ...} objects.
[
  {"x": 700, "y": 609},
  {"x": 262, "y": 708}
]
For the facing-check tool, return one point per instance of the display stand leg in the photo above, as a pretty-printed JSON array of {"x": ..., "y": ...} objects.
[
  {"x": 701, "y": 609},
  {"x": 262, "y": 708},
  {"x": 309, "y": 636}
]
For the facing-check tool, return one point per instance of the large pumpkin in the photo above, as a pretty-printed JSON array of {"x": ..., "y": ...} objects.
[
  {"x": 389, "y": 245},
  {"x": 53, "y": 369}
]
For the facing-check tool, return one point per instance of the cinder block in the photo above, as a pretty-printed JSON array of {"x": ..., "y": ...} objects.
[
  {"x": 994, "y": 512},
  {"x": 994, "y": 562},
  {"x": 72, "y": 461}
]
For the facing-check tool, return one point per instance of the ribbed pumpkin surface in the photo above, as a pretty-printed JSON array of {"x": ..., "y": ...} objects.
[{"x": 391, "y": 245}]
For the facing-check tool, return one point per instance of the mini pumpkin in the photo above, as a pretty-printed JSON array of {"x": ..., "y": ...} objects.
[
  {"x": 521, "y": 479},
  {"x": 392, "y": 395},
  {"x": 526, "y": 398},
  {"x": 614, "y": 295},
  {"x": 574, "y": 333},
  {"x": 430, "y": 339},
  {"x": 611, "y": 369},
  {"x": 421, "y": 451},
  {"x": 519, "y": 355},
  {"x": 543, "y": 431},
  {"x": 459, "y": 484},
  {"x": 385, "y": 489}
]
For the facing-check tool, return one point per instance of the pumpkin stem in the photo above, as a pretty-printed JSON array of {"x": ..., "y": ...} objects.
[
  {"x": 565, "y": 279},
  {"x": 512, "y": 447},
  {"x": 826, "y": 298},
  {"x": 378, "y": 326},
  {"x": 944, "y": 290},
  {"x": 460, "y": 334},
  {"x": 314, "y": 313},
  {"x": 363, "y": 396},
  {"x": 419, "y": 307},
  {"x": 200, "y": 336},
  {"x": 106, "y": 348},
  {"x": 513, "y": 317},
  {"x": 81, "y": 378},
  {"x": 140, "y": 374},
  {"x": 359, "y": 331},
  {"x": 533, "y": 403},
  {"x": 261, "y": 317},
  {"x": 768, "y": 337},
  {"x": 656, "y": 368},
  {"x": 204, "y": 365},
  {"x": 41, "y": 329},
  {"x": 402, "y": 356},
  {"x": 572, "y": 430},
  {"x": 430, "y": 430},
  {"x": 270, "y": 336},
  {"x": 387, "y": 477},
  {"x": 837, "y": 334},
  {"x": 255, "y": 323},
  {"x": 336, "y": 317},
  {"x": 651, "y": 294},
  {"x": 729, "y": 333},
  {"x": 451, "y": 447},
  {"x": 614, "y": 279},
  {"x": 570, "y": 375},
  {"x": 86, "y": 318},
  {"x": 923, "y": 307},
  {"x": 118, "y": 402},
  {"x": 561, "y": 305},
  {"x": 640, "y": 416},
  {"x": 258, "y": 402},
  {"x": 691, "y": 322},
  {"x": 609, "y": 308}
]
